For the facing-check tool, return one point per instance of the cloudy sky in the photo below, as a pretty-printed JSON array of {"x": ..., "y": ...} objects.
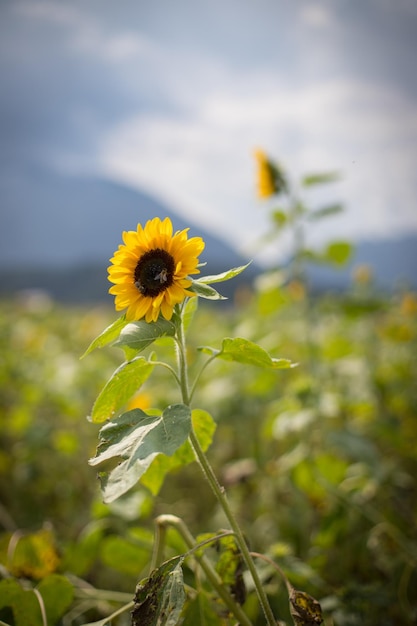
[{"x": 173, "y": 97}]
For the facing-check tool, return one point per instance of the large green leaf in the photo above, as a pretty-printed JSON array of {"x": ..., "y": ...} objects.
[
  {"x": 123, "y": 555},
  {"x": 125, "y": 381},
  {"x": 57, "y": 594},
  {"x": 204, "y": 427},
  {"x": 159, "y": 600},
  {"x": 136, "y": 336},
  {"x": 135, "y": 439},
  {"x": 245, "y": 351},
  {"x": 23, "y": 603},
  {"x": 220, "y": 278},
  {"x": 108, "y": 335},
  {"x": 338, "y": 252}
]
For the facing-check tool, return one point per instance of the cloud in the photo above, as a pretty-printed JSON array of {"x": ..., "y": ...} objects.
[
  {"x": 48, "y": 11},
  {"x": 317, "y": 15},
  {"x": 85, "y": 34},
  {"x": 178, "y": 111},
  {"x": 201, "y": 160}
]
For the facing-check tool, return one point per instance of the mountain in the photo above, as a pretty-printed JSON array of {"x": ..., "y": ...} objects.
[
  {"x": 61, "y": 220},
  {"x": 60, "y": 231},
  {"x": 393, "y": 263}
]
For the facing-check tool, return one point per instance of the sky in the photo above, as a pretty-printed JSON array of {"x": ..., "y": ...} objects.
[{"x": 174, "y": 97}]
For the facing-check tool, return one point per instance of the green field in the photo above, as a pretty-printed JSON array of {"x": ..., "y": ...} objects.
[{"x": 319, "y": 461}]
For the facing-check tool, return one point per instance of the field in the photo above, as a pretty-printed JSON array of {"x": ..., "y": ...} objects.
[{"x": 319, "y": 461}]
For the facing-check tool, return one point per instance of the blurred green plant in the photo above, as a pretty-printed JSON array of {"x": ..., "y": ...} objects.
[{"x": 294, "y": 216}]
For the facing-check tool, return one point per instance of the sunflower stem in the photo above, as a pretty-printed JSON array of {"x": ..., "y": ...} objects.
[{"x": 217, "y": 489}]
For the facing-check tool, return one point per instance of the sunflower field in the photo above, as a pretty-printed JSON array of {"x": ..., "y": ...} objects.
[{"x": 305, "y": 407}]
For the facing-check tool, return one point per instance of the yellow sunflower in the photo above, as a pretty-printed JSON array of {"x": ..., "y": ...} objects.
[
  {"x": 270, "y": 178},
  {"x": 150, "y": 271}
]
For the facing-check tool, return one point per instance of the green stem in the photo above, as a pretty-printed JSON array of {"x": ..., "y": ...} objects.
[
  {"x": 224, "y": 503},
  {"x": 218, "y": 490},
  {"x": 168, "y": 367},
  {"x": 164, "y": 520},
  {"x": 199, "y": 375},
  {"x": 158, "y": 546}
]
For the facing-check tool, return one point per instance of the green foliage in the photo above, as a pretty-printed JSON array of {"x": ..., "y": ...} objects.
[
  {"x": 136, "y": 336},
  {"x": 204, "y": 428},
  {"x": 49, "y": 600},
  {"x": 160, "y": 599},
  {"x": 246, "y": 352},
  {"x": 222, "y": 277},
  {"x": 127, "y": 379},
  {"x": 202, "y": 286},
  {"x": 330, "y": 490},
  {"x": 319, "y": 461},
  {"x": 109, "y": 335},
  {"x": 135, "y": 439}
]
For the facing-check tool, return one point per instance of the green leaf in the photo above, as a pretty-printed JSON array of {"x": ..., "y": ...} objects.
[
  {"x": 245, "y": 351},
  {"x": 160, "y": 599},
  {"x": 57, "y": 594},
  {"x": 338, "y": 252},
  {"x": 136, "y": 439},
  {"x": 220, "y": 278},
  {"x": 200, "y": 610},
  {"x": 24, "y": 604},
  {"x": 320, "y": 179},
  {"x": 229, "y": 567},
  {"x": 279, "y": 218},
  {"x": 136, "y": 336},
  {"x": 325, "y": 211},
  {"x": 125, "y": 381},
  {"x": 108, "y": 335},
  {"x": 35, "y": 555},
  {"x": 204, "y": 427},
  {"x": 124, "y": 556},
  {"x": 190, "y": 308},
  {"x": 79, "y": 557},
  {"x": 205, "y": 291}
]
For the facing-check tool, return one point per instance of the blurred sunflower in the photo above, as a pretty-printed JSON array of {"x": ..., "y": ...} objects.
[
  {"x": 150, "y": 271},
  {"x": 271, "y": 179}
]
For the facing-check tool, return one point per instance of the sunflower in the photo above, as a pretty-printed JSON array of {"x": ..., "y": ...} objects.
[
  {"x": 150, "y": 271},
  {"x": 271, "y": 179}
]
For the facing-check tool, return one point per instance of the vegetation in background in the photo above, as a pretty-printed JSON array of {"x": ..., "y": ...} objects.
[{"x": 319, "y": 462}]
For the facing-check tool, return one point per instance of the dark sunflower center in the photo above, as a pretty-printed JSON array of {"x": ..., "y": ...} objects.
[{"x": 154, "y": 272}]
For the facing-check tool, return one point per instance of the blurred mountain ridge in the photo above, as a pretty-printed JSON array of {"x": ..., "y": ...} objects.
[{"x": 59, "y": 232}]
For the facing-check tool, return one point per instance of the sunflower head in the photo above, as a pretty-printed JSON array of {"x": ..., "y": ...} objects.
[
  {"x": 150, "y": 270},
  {"x": 271, "y": 179}
]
